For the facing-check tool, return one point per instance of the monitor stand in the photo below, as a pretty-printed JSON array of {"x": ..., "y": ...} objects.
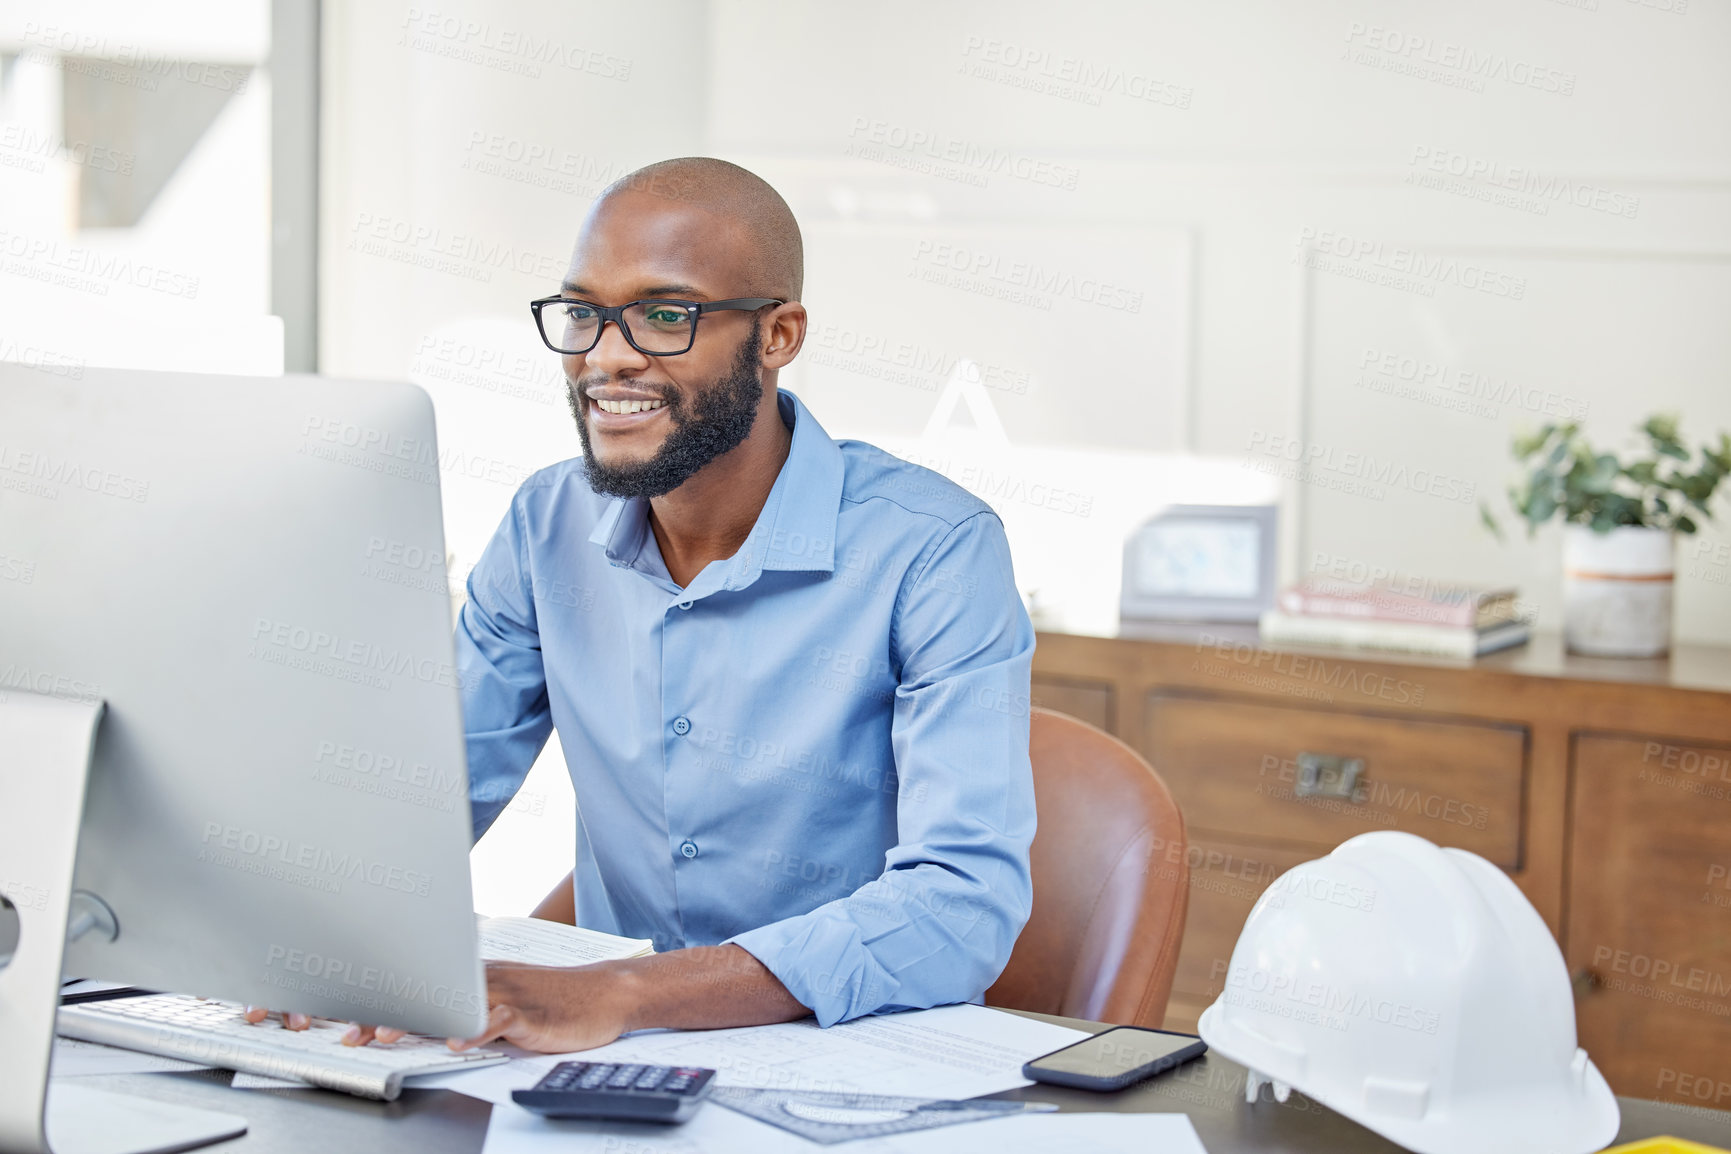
[{"x": 45, "y": 750}]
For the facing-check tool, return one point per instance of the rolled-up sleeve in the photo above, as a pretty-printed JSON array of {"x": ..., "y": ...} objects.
[
  {"x": 506, "y": 718},
  {"x": 938, "y": 925}
]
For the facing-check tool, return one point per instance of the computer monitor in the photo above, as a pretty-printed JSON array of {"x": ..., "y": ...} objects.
[{"x": 244, "y": 578}]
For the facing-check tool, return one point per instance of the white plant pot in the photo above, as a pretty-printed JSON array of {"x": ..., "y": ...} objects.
[{"x": 1617, "y": 590}]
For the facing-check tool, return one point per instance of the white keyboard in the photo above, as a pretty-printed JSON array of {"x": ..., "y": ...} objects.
[{"x": 215, "y": 1034}]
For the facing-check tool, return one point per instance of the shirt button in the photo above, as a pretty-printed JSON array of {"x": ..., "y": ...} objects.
[
  {"x": 685, "y": 604},
  {"x": 682, "y": 726},
  {"x": 689, "y": 849}
]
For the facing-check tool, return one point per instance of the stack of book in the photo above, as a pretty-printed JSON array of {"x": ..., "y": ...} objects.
[{"x": 1451, "y": 621}]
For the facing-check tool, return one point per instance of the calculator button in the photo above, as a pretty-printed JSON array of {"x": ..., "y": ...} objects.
[
  {"x": 651, "y": 1078},
  {"x": 623, "y": 1077}
]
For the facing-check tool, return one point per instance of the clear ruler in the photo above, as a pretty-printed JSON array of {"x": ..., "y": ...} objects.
[{"x": 831, "y": 1116}]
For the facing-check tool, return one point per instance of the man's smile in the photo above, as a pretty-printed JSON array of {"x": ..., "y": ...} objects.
[{"x": 614, "y": 411}]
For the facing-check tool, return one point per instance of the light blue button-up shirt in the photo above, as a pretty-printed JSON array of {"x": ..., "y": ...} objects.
[{"x": 818, "y": 750}]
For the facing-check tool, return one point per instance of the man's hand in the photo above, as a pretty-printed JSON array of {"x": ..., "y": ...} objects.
[
  {"x": 555, "y": 1010},
  {"x": 357, "y": 1035}
]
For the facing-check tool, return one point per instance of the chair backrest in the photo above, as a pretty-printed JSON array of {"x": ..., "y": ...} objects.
[{"x": 1111, "y": 882}]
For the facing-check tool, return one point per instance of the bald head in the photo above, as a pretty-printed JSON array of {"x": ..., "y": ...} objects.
[{"x": 746, "y": 214}]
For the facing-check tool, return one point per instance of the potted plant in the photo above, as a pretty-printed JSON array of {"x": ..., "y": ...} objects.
[{"x": 1620, "y": 520}]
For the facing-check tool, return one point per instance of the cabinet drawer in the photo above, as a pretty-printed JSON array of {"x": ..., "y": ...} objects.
[
  {"x": 1649, "y": 915},
  {"x": 1089, "y": 700},
  {"x": 1226, "y": 878},
  {"x": 1234, "y": 767}
]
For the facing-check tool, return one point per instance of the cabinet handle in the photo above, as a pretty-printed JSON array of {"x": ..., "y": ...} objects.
[{"x": 1330, "y": 775}]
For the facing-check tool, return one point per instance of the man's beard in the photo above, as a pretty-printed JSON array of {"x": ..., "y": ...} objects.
[{"x": 720, "y": 418}]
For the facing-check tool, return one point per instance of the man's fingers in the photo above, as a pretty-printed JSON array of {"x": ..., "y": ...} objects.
[
  {"x": 359, "y": 1035},
  {"x": 290, "y": 1021},
  {"x": 499, "y": 1019},
  {"x": 385, "y": 1035}
]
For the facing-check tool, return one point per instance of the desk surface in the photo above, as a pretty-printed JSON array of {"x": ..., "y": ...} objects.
[{"x": 1210, "y": 1090}]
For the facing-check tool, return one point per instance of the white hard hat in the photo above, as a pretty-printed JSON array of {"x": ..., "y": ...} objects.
[{"x": 1416, "y": 991}]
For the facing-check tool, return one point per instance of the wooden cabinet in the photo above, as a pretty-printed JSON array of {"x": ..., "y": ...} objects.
[
  {"x": 1649, "y": 928},
  {"x": 1603, "y": 787},
  {"x": 1235, "y": 766}
]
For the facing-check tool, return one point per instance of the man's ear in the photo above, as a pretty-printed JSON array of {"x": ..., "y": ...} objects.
[{"x": 783, "y": 335}]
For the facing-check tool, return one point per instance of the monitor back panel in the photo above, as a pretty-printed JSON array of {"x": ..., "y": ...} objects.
[{"x": 250, "y": 572}]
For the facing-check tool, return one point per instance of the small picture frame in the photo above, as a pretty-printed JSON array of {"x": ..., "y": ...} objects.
[{"x": 1201, "y": 563}]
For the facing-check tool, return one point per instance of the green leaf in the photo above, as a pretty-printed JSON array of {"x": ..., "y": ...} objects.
[
  {"x": 1685, "y": 525},
  {"x": 1526, "y": 446},
  {"x": 1600, "y": 476},
  {"x": 1662, "y": 426},
  {"x": 1489, "y": 521}
]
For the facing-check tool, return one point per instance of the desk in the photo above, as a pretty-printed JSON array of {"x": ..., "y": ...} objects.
[{"x": 1210, "y": 1090}]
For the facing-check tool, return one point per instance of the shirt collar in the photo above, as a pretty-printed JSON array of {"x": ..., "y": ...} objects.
[{"x": 794, "y": 531}]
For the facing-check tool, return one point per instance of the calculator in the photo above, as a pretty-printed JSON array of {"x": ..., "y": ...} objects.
[{"x": 638, "y": 1093}]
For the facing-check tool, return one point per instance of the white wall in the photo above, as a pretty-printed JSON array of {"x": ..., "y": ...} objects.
[{"x": 1194, "y": 148}]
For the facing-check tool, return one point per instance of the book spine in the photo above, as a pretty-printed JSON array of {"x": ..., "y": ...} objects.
[
  {"x": 1381, "y": 607},
  {"x": 1433, "y": 641}
]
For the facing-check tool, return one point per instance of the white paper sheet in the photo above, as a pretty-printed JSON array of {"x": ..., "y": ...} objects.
[
  {"x": 513, "y": 1130},
  {"x": 543, "y": 943},
  {"x": 75, "y": 1059},
  {"x": 949, "y": 1052}
]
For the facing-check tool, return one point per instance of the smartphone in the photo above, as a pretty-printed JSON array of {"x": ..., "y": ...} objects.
[{"x": 1112, "y": 1059}]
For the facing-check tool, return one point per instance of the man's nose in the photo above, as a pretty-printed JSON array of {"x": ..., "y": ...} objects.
[{"x": 613, "y": 352}]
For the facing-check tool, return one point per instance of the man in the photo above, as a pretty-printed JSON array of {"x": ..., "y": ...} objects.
[{"x": 789, "y": 674}]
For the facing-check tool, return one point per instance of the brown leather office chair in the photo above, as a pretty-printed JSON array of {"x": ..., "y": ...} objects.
[{"x": 1111, "y": 882}]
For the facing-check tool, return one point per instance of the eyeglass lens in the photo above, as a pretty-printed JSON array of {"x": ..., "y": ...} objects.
[{"x": 656, "y": 326}]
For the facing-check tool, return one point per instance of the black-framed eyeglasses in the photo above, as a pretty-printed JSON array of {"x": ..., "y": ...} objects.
[{"x": 656, "y": 327}]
